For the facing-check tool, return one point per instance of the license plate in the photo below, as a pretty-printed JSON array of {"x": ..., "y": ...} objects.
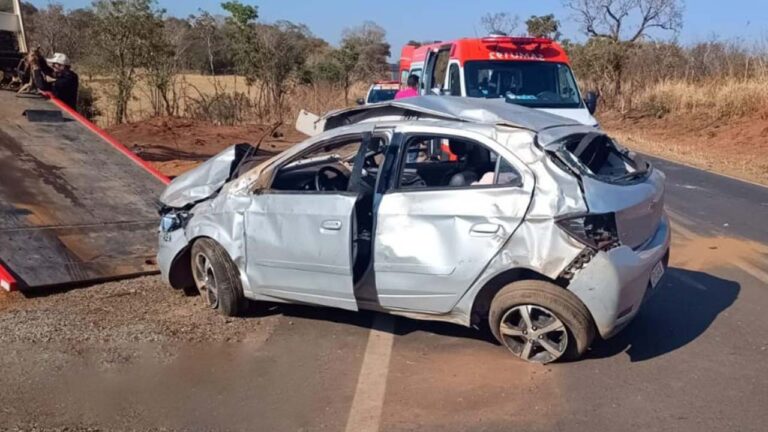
[{"x": 657, "y": 273}]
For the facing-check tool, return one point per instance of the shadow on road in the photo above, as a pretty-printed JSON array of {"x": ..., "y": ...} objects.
[
  {"x": 682, "y": 309},
  {"x": 364, "y": 319}
]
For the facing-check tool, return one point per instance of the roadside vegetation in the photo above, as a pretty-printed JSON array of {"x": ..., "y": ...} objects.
[
  {"x": 136, "y": 62},
  {"x": 143, "y": 63}
]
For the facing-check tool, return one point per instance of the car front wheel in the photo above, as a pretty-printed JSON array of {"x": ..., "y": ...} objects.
[
  {"x": 540, "y": 322},
  {"x": 217, "y": 278}
]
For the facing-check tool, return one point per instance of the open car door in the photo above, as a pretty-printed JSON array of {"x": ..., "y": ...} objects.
[{"x": 300, "y": 244}]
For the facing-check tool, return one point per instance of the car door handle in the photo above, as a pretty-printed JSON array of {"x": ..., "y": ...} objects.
[
  {"x": 333, "y": 225},
  {"x": 485, "y": 228}
]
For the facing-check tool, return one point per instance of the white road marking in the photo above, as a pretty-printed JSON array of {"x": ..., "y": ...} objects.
[
  {"x": 367, "y": 405},
  {"x": 678, "y": 222},
  {"x": 752, "y": 270}
]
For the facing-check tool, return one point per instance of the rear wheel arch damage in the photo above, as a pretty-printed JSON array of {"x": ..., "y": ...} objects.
[
  {"x": 482, "y": 302},
  {"x": 541, "y": 322}
]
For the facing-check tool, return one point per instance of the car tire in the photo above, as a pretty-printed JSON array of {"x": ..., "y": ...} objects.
[
  {"x": 217, "y": 278},
  {"x": 565, "y": 326}
]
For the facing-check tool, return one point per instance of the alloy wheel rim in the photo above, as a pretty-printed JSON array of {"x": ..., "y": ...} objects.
[
  {"x": 534, "y": 333},
  {"x": 205, "y": 279}
]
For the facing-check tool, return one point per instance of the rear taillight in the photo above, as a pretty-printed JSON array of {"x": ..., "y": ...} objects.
[{"x": 597, "y": 231}]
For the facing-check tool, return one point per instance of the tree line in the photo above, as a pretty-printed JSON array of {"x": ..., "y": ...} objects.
[
  {"x": 631, "y": 47},
  {"x": 133, "y": 41},
  {"x": 628, "y": 46}
]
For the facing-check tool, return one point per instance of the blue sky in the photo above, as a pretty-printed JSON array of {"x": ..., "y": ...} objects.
[{"x": 444, "y": 20}]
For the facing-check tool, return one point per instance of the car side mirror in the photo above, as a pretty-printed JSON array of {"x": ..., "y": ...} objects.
[
  {"x": 361, "y": 101},
  {"x": 590, "y": 100}
]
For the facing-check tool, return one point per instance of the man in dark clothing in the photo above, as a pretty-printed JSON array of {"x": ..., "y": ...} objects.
[{"x": 65, "y": 82}]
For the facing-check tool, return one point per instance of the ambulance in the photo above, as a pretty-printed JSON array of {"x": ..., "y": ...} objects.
[{"x": 528, "y": 71}]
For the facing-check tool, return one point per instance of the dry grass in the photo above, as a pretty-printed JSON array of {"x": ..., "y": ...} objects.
[
  {"x": 717, "y": 99},
  {"x": 193, "y": 91}
]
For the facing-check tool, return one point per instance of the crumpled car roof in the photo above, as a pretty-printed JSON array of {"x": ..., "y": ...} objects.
[{"x": 473, "y": 110}]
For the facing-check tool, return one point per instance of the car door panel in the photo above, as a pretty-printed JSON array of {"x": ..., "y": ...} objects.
[
  {"x": 299, "y": 247},
  {"x": 431, "y": 245}
]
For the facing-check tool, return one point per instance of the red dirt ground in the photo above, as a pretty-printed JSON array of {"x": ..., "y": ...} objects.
[
  {"x": 174, "y": 145},
  {"x": 734, "y": 147}
]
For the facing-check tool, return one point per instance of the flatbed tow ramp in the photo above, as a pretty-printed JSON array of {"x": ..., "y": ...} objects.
[{"x": 75, "y": 205}]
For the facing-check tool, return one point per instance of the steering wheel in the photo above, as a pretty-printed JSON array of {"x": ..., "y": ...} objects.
[
  {"x": 548, "y": 96},
  {"x": 324, "y": 182}
]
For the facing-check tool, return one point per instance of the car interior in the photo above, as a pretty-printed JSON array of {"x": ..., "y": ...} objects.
[{"x": 450, "y": 162}]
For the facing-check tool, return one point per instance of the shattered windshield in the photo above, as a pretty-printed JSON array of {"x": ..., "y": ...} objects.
[{"x": 531, "y": 84}]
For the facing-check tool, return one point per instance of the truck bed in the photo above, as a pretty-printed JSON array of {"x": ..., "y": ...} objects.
[{"x": 74, "y": 208}]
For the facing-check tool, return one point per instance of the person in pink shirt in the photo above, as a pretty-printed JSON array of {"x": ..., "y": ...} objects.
[{"x": 411, "y": 90}]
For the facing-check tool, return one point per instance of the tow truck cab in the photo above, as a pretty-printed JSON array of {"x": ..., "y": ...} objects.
[
  {"x": 13, "y": 44},
  {"x": 533, "y": 72}
]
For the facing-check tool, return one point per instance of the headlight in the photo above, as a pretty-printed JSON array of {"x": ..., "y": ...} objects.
[
  {"x": 172, "y": 221},
  {"x": 597, "y": 231}
]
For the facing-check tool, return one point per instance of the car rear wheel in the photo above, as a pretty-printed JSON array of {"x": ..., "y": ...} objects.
[
  {"x": 217, "y": 278},
  {"x": 540, "y": 322}
]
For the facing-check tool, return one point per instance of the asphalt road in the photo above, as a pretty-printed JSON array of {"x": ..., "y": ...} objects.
[{"x": 693, "y": 360}]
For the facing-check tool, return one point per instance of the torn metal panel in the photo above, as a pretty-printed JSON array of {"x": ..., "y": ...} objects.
[
  {"x": 638, "y": 207},
  {"x": 615, "y": 283},
  {"x": 538, "y": 244},
  {"x": 206, "y": 180},
  {"x": 430, "y": 246}
]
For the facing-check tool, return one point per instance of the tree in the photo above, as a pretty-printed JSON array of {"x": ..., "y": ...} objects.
[
  {"x": 55, "y": 29},
  {"x": 622, "y": 23},
  {"x": 280, "y": 52},
  {"x": 543, "y": 26},
  {"x": 206, "y": 29},
  {"x": 270, "y": 55},
  {"x": 499, "y": 22},
  {"x": 167, "y": 53},
  {"x": 362, "y": 55},
  {"x": 241, "y": 33},
  {"x": 125, "y": 37},
  {"x": 626, "y": 20}
]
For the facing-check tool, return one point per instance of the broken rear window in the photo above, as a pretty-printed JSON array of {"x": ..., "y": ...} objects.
[{"x": 596, "y": 154}]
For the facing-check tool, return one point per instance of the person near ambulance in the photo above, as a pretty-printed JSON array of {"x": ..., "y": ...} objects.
[
  {"x": 58, "y": 77},
  {"x": 412, "y": 89}
]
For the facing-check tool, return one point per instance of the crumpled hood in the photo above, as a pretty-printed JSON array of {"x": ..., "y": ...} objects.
[{"x": 206, "y": 180}]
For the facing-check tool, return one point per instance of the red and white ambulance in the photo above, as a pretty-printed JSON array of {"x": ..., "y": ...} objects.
[{"x": 533, "y": 72}]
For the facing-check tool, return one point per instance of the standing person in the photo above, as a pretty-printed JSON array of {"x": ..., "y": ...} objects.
[
  {"x": 65, "y": 82},
  {"x": 412, "y": 89}
]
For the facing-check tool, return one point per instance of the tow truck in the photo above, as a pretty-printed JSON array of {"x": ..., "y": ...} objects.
[
  {"x": 529, "y": 71},
  {"x": 76, "y": 206}
]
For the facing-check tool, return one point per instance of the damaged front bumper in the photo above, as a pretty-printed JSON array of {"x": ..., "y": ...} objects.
[
  {"x": 615, "y": 283},
  {"x": 171, "y": 246}
]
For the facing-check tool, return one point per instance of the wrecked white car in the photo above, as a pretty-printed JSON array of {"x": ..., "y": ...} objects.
[{"x": 440, "y": 208}]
